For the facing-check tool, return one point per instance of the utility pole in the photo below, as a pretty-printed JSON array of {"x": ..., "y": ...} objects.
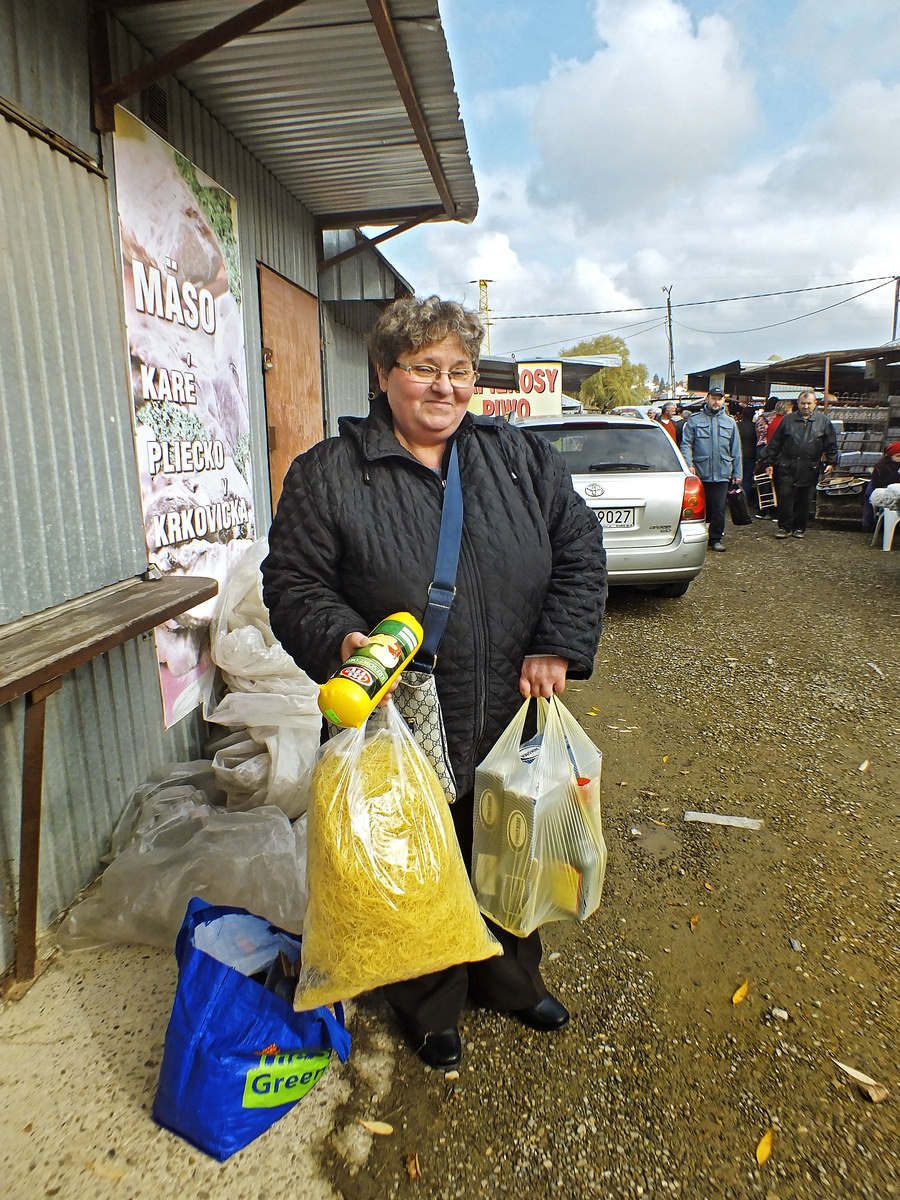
[
  {"x": 483, "y": 310},
  {"x": 668, "y": 292},
  {"x": 896, "y": 302}
]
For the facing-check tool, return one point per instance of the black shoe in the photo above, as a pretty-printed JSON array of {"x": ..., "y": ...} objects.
[
  {"x": 548, "y": 1014},
  {"x": 442, "y": 1049}
]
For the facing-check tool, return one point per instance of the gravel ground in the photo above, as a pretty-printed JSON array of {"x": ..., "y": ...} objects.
[{"x": 769, "y": 691}]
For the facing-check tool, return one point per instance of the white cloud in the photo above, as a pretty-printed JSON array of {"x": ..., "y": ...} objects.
[
  {"x": 659, "y": 108},
  {"x": 651, "y": 171}
]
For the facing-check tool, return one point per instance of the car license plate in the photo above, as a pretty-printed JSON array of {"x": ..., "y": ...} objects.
[{"x": 615, "y": 518}]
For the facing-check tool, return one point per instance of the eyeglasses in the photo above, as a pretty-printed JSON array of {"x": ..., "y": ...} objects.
[{"x": 426, "y": 373}]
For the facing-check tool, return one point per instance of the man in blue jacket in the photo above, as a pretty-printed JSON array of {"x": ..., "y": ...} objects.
[{"x": 712, "y": 446}]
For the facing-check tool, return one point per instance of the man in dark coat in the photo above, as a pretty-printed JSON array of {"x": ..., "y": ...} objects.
[{"x": 794, "y": 457}]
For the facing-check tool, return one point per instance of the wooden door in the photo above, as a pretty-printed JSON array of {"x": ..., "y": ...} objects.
[{"x": 292, "y": 368}]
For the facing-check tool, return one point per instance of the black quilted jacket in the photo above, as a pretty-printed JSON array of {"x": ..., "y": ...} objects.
[{"x": 355, "y": 536}]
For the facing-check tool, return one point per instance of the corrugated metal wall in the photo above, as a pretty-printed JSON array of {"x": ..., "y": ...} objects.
[
  {"x": 68, "y": 482},
  {"x": 44, "y": 65},
  {"x": 346, "y": 376}
]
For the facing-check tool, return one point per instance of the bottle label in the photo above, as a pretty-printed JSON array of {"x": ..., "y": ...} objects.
[{"x": 373, "y": 665}]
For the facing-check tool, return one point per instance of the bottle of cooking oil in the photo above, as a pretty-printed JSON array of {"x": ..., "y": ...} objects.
[{"x": 352, "y": 692}]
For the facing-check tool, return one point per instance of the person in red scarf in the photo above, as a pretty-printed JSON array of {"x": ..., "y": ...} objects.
[{"x": 885, "y": 472}]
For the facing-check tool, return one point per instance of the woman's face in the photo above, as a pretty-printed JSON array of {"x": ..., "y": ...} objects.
[{"x": 428, "y": 413}]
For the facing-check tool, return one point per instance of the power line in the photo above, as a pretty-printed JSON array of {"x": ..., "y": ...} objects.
[
  {"x": 639, "y": 328},
  {"x": 815, "y": 312},
  {"x": 606, "y": 312}
]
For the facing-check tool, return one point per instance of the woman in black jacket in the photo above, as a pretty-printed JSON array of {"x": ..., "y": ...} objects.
[{"x": 354, "y": 539}]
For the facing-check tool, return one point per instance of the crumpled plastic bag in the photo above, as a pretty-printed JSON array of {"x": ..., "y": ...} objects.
[
  {"x": 390, "y": 897},
  {"x": 886, "y": 497},
  {"x": 172, "y": 844},
  {"x": 269, "y": 697}
]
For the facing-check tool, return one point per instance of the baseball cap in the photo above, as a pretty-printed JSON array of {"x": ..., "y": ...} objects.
[{"x": 715, "y": 392}]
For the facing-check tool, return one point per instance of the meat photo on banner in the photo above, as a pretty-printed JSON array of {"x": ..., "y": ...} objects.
[{"x": 182, "y": 283}]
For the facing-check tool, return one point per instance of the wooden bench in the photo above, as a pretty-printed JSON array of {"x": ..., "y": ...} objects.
[{"x": 35, "y": 652}]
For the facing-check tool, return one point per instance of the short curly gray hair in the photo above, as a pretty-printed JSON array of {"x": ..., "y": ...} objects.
[{"x": 411, "y": 324}]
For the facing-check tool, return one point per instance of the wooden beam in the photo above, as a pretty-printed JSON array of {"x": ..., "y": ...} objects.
[
  {"x": 30, "y": 829},
  {"x": 385, "y": 28},
  {"x": 181, "y": 56},
  {"x": 366, "y": 242},
  {"x": 377, "y": 216}
]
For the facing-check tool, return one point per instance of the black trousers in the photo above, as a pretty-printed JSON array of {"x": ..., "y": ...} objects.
[
  {"x": 716, "y": 499},
  {"x": 432, "y": 1003},
  {"x": 794, "y": 503}
]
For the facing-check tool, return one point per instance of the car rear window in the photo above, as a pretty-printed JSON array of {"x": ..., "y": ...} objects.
[{"x": 598, "y": 447}]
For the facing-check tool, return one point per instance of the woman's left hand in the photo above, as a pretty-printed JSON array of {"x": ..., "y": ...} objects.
[{"x": 542, "y": 675}]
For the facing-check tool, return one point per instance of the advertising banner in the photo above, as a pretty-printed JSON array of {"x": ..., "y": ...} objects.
[
  {"x": 182, "y": 286},
  {"x": 539, "y": 394}
]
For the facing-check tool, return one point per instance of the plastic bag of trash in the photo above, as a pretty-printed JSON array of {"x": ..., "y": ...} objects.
[
  {"x": 244, "y": 647},
  {"x": 538, "y": 852},
  {"x": 178, "y": 845},
  {"x": 269, "y": 697}
]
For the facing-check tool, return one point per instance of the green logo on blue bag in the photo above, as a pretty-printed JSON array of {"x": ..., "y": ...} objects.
[{"x": 282, "y": 1078}]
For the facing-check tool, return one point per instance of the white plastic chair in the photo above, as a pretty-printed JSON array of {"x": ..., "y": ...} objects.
[{"x": 887, "y": 522}]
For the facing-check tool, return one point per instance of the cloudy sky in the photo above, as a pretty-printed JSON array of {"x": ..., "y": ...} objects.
[{"x": 718, "y": 147}]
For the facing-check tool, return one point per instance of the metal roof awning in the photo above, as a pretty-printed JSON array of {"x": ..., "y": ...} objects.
[
  {"x": 871, "y": 369},
  {"x": 349, "y": 103}
]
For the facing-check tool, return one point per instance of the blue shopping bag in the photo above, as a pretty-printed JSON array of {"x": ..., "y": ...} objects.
[{"x": 237, "y": 1057}]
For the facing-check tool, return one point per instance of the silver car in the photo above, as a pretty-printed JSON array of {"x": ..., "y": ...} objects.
[{"x": 633, "y": 476}]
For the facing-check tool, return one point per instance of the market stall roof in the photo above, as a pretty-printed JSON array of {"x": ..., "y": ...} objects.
[
  {"x": 349, "y": 103},
  {"x": 857, "y": 371},
  {"x": 502, "y": 372}
]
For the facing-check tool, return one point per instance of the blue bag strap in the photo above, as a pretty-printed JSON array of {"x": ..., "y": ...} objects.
[
  {"x": 338, "y": 1037},
  {"x": 443, "y": 587}
]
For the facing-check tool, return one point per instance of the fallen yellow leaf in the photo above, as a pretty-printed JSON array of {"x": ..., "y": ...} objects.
[
  {"x": 741, "y": 993},
  {"x": 685, "y": 772},
  {"x": 764, "y": 1149},
  {"x": 381, "y": 1127},
  {"x": 694, "y": 919},
  {"x": 665, "y": 758},
  {"x": 412, "y": 1166},
  {"x": 655, "y": 822},
  {"x": 708, "y": 886},
  {"x": 864, "y": 766}
]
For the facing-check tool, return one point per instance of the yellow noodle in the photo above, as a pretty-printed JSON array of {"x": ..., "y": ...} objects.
[{"x": 389, "y": 897}]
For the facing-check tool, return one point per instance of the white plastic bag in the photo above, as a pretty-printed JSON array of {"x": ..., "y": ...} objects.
[
  {"x": 243, "y": 645},
  {"x": 269, "y": 697},
  {"x": 178, "y": 846},
  {"x": 538, "y": 852}
]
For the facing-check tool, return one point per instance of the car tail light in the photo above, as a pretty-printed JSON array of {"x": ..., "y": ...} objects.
[{"x": 693, "y": 506}]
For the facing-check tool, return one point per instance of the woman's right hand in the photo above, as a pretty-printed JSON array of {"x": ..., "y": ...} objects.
[{"x": 352, "y": 642}]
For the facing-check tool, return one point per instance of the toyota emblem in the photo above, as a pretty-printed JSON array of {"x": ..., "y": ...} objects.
[{"x": 595, "y": 489}]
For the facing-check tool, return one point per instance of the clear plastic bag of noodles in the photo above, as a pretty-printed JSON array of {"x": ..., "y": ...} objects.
[
  {"x": 538, "y": 851},
  {"x": 389, "y": 895}
]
